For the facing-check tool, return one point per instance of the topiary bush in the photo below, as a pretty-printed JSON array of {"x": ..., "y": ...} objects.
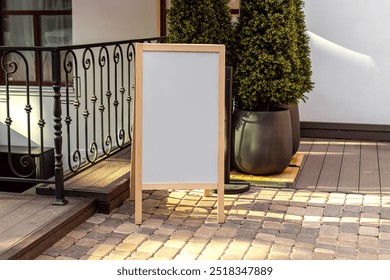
[
  {"x": 200, "y": 22},
  {"x": 272, "y": 56}
]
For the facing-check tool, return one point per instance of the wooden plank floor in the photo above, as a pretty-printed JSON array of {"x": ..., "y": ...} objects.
[
  {"x": 345, "y": 166},
  {"x": 107, "y": 182},
  {"x": 29, "y": 224}
]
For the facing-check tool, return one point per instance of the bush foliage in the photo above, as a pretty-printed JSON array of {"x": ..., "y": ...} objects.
[
  {"x": 272, "y": 64},
  {"x": 200, "y": 22}
]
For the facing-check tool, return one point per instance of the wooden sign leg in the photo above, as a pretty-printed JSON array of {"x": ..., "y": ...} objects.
[
  {"x": 138, "y": 205},
  {"x": 221, "y": 204}
]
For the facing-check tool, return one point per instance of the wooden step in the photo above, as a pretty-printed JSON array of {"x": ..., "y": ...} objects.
[
  {"x": 35, "y": 224},
  {"x": 108, "y": 182}
]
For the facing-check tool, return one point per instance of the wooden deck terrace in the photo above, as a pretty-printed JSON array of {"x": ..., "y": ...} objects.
[{"x": 29, "y": 223}]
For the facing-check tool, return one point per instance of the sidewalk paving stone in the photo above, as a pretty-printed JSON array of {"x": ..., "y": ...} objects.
[{"x": 262, "y": 224}]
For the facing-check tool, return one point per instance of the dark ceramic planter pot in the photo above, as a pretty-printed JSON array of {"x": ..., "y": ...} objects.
[
  {"x": 262, "y": 141},
  {"x": 295, "y": 127}
]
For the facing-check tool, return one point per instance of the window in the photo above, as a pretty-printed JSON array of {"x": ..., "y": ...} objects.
[{"x": 46, "y": 23}]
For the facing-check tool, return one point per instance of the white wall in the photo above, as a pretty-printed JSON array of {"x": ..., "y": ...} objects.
[
  {"x": 112, "y": 20},
  {"x": 350, "y": 42}
]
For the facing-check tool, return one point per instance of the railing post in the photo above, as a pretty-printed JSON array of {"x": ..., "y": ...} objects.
[{"x": 57, "y": 112}]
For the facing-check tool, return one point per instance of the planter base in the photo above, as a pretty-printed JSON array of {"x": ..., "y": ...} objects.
[{"x": 237, "y": 186}]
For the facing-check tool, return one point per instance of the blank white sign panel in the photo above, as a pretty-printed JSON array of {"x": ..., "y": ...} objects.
[{"x": 180, "y": 117}]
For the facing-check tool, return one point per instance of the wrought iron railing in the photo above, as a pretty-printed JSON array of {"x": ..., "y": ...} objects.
[{"x": 72, "y": 101}]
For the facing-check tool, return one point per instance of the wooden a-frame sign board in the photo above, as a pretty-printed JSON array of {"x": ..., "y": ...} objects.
[{"x": 179, "y": 117}]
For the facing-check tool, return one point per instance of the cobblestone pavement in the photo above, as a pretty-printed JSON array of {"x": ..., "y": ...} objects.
[{"x": 263, "y": 223}]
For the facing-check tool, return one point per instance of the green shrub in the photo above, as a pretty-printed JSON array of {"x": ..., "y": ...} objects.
[
  {"x": 200, "y": 22},
  {"x": 272, "y": 55}
]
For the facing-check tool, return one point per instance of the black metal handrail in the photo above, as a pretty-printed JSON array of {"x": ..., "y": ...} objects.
[{"x": 91, "y": 100}]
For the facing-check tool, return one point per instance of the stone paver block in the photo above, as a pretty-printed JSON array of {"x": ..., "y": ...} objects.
[
  {"x": 321, "y": 248},
  {"x": 87, "y": 242},
  {"x": 120, "y": 216},
  {"x": 240, "y": 245},
  {"x": 313, "y": 213},
  {"x": 348, "y": 237},
  {"x": 186, "y": 257},
  {"x": 384, "y": 235},
  {"x": 293, "y": 228},
  {"x": 256, "y": 253},
  {"x": 322, "y": 256},
  {"x": 45, "y": 258},
  {"x": 327, "y": 241},
  {"x": 305, "y": 241},
  {"x": 366, "y": 256},
  {"x": 152, "y": 223},
  {"x": 150, "y": 246},
  {"x": 300, "y": 256},
  {"x": 96, "y": 219},
  {"x": 304, "y": 250},
  {"x": 347, "y": 251},
  {"x": 183, "y": 235},
  {"x": 127, "y": 247},
  {"x": 173, "y": 243},
  {"x": 286, "y": 240},
  {"x": 299, "y": 211},
  {"x": 369, "y": 219},
  {"x": 385, "y": 213},
  {"x": 228, "y": 256},
  {"x": 371, "y": 209},
  {"x": 329, "y": 231},
  {"x": 384, "y": 244},
  {"x": 274, "y": 216},
  {"x": 333, "y": 210},
  {"x": 266, "y": 236},
  {"x": 246, "y": 233},
  {"x": 310, "y": 232},
  {"x": 278, "y": 256},
  {"x": 76, "y": 234},
  {"x": 159, "y": 237},
  {"x": 281, "y": 248},
  {"x": 349, "y": 216},
  {"x": 136, "y": 238},
  {"x": 346, "y": 227},
  {"x": 293, "y": 218},
  {"x": 384, "y": 257},
  {"x": 126, "y": 228},
  {"x": 120, "y": 254},
  {"x": 271, "y": 225},
  {"x": 167, "y": 253},
  {"x": 353, "y": 208},
  {"x": 193, "y": 248},
  {"x": 370, "y": 231},
  {"x": 279, "y": 207},
  {"x": 112, "y": 222},
  {"x": 101, "y": 250},
  {"x": 65, "y": 242},
  {"x": 252, "y": 224},
  {"x": 141, "y": 255},
  {"x": 212, "y": 252},
  {"x": 368, "y": 241},
  {"x": 207, "y": 232},
  {"x": 53, "y": 252},
  {"x": 311, "y": 224},
  {"x": 331, "y": 221},
  {"x": 103, "y": 229}
]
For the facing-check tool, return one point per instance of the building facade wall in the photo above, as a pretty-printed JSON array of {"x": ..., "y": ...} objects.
[
  {"x": 351, "y": 62},
  {"x": 102, "y": 21}
]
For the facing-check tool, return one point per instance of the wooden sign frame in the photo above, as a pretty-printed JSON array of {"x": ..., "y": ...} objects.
[{"x": 158, "y": 82}]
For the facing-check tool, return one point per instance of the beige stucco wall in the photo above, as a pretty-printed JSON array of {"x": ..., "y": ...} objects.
[{"x": 112, "y": 20}]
